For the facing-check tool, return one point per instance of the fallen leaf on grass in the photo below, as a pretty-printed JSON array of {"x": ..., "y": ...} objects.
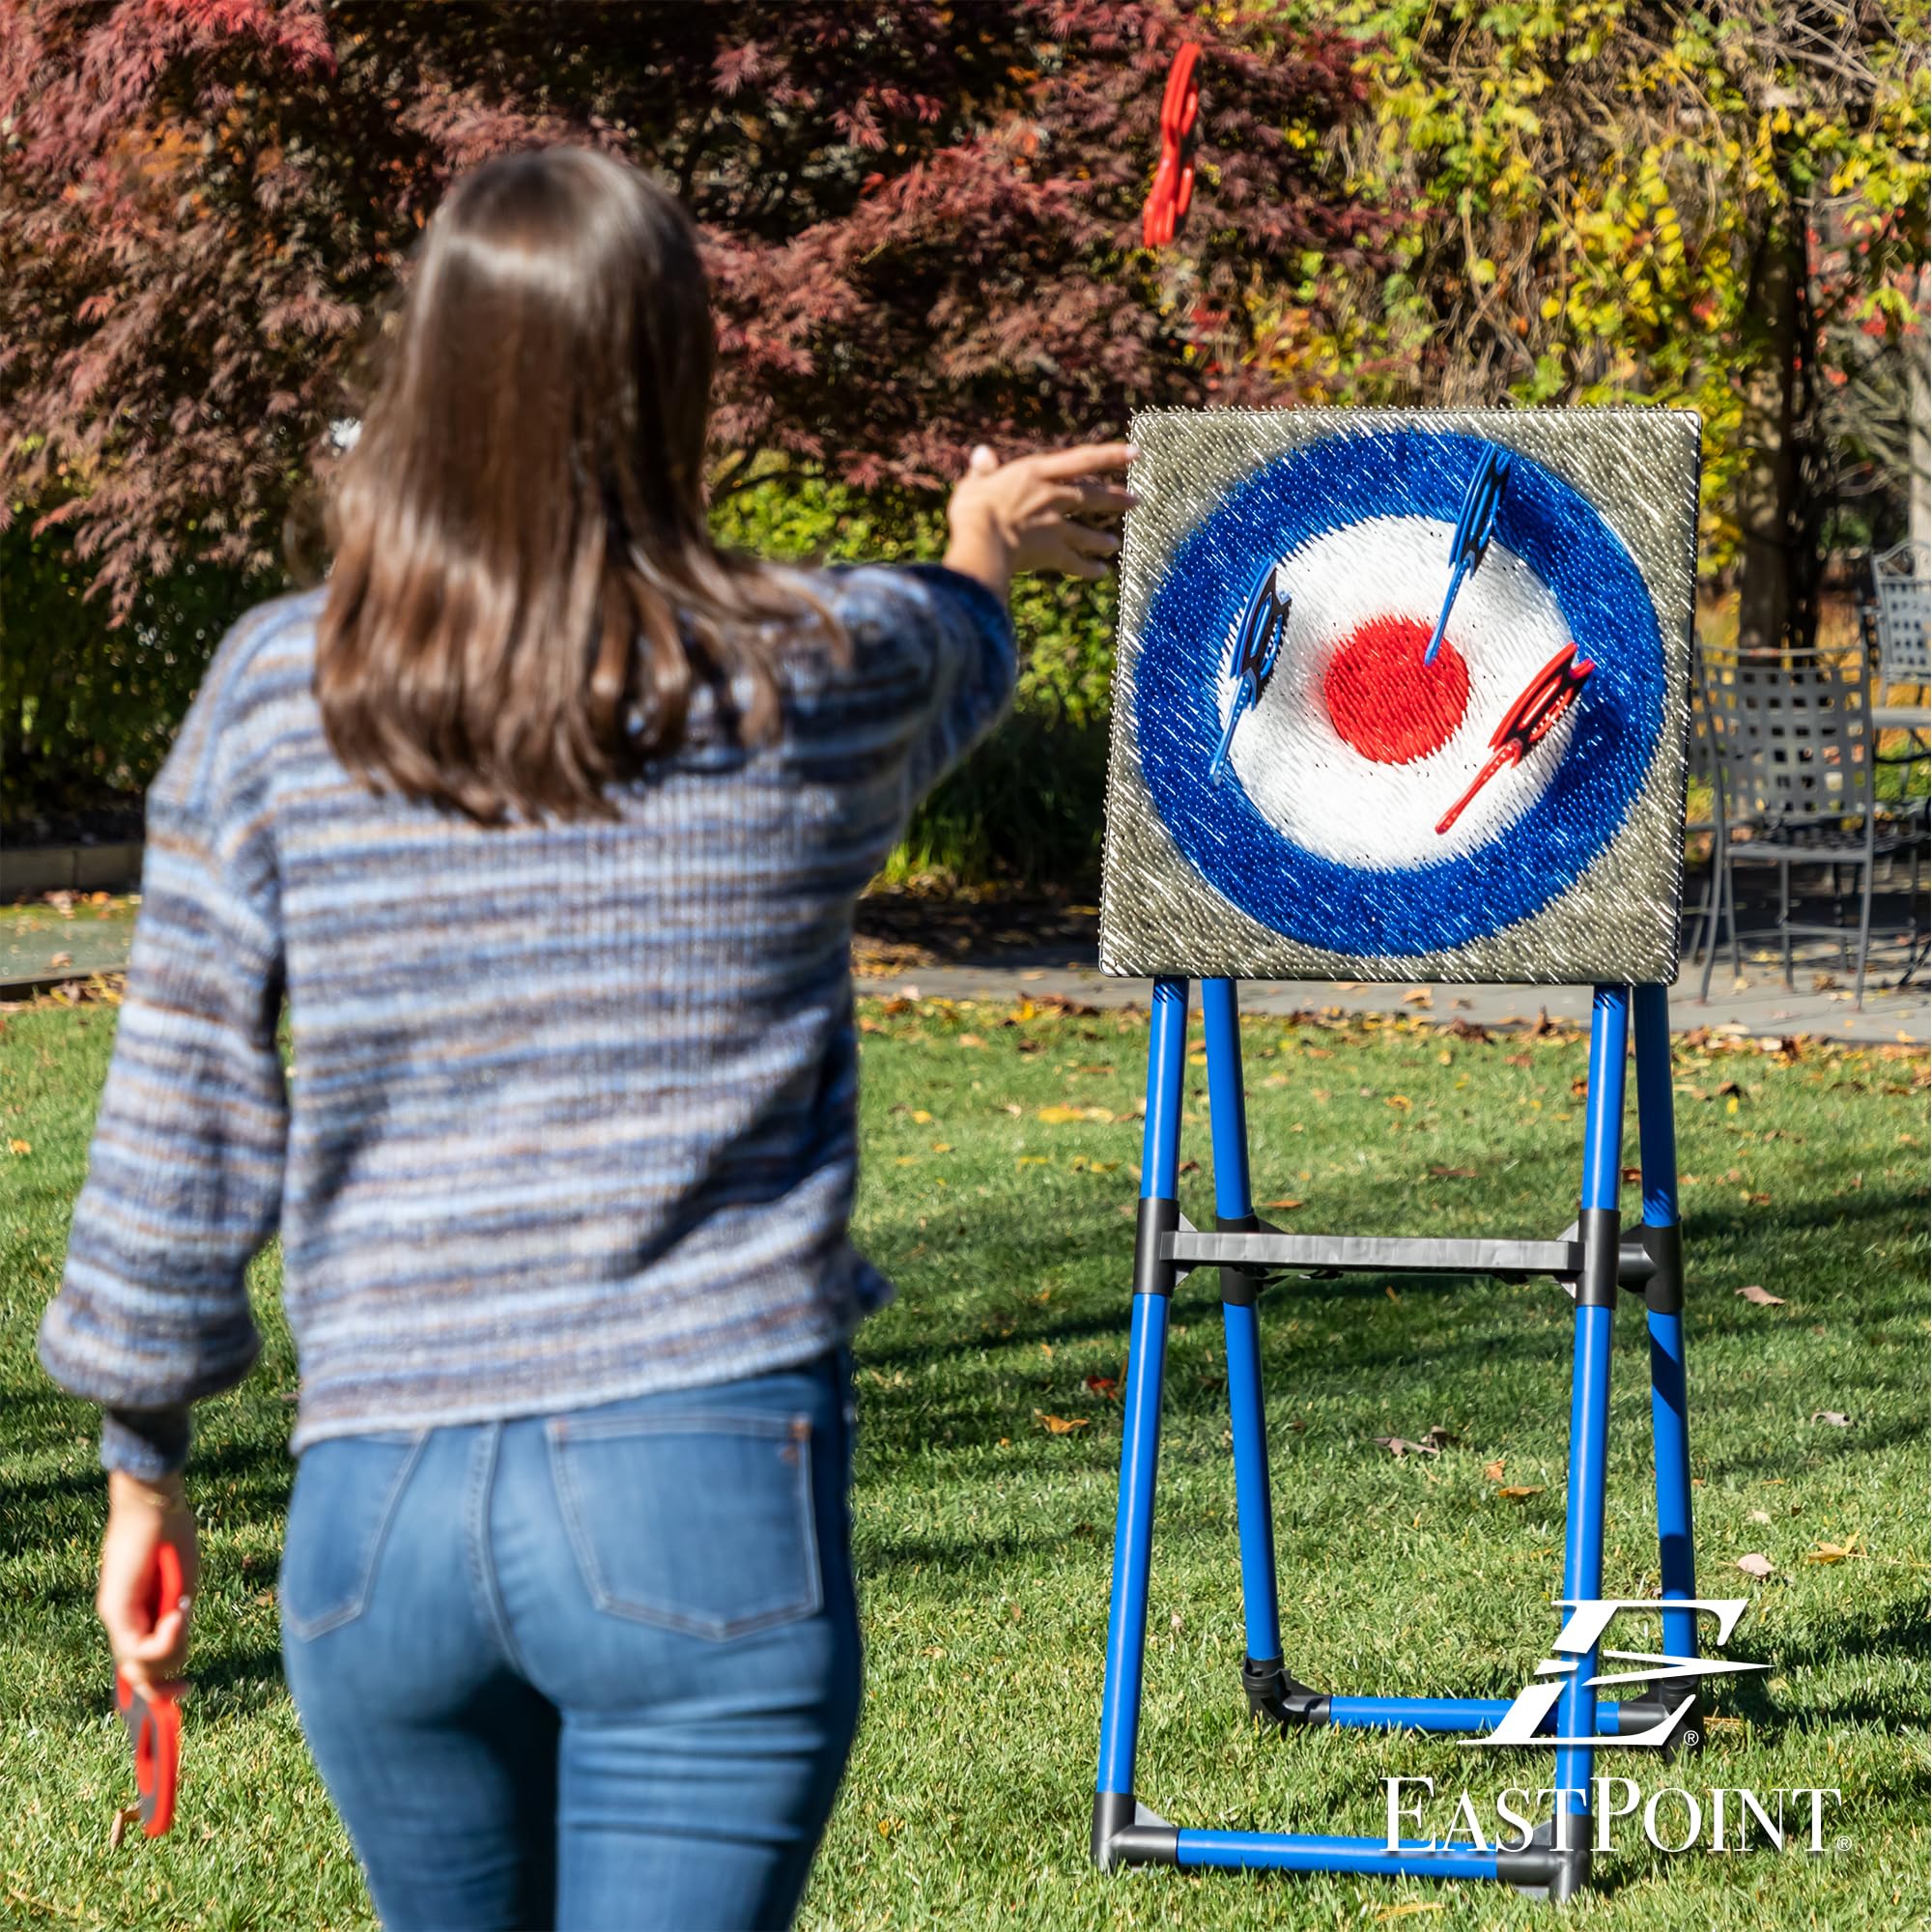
[
  {"x": 1756, "y": 1563},
  {"x": 1518, "y": 1060},
  {"x": 117, "y": 1830},
  {"x": 1493, "y": 1472},
  {"x": 971, "y": 1039},
  {"x": 1432, "y": 1443},
  {"x": 1833, "y": 1417},
  {"x": 1060, "y": 1425},
  {"x": 1443, "y": 1173},
  {"x": 1760, "y": 1516},
  {"x": 920, "y": 1118},
  {"x": 1759, "y": 1298},
  {"x": 19, "y": 1147},
  {"x": 1833, "y": 1552},
  {"x": 1284, "y": 1203},
  {"x": 942, "y": 1146},
  {"x": 1408, "y": 1911},
  {"x": 1516, "y": 1492},
  {"x": 1101, "y": 1385}
]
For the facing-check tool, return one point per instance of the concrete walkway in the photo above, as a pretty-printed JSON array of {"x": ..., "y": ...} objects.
[
  {"x": 1757, "y": 1001},
  {"x": 42, "y": 944}
]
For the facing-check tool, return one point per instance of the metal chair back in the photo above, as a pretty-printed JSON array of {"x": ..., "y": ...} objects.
[
  {"x": 1794, "y": 736},
  {"x": 1705, "y": 766},
  {"x": 1901, "y": 611}
]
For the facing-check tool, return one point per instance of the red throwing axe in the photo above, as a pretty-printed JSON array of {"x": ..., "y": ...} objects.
[
  {"x": 154, "y": 1717},
  {"x": 1173, "y": 177}
]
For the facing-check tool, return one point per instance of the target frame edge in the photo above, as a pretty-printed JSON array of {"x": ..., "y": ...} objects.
[{"x": 1637, "y": 468}]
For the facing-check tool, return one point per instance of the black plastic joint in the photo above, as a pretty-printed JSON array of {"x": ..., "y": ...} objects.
[
  {"x": 1603, "y": 1257},
  {"x": 1686, "y": 1737},
  {"x": 1276, "y": 1698},
  {"x": 1119, "y": 1841},
  {"x": 1241, "y": 1287},
  {"x": 1543, "y": 1869},
  {"x": 1154, "y": 1272},
  {"x": 1664, "y": 1291},
  {"x": 1650, "y": 1263}
]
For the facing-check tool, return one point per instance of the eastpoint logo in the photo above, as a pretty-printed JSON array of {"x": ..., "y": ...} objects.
[
  {"x": 1590, "y": 1617},
  {"x": 1674, "y": 1816}
]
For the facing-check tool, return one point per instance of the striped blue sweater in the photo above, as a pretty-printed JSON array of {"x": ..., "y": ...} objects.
[{"x": 572, "y": 1114}]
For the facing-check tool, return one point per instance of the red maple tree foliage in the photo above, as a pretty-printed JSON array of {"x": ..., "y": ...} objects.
[{"x": 923, "y": 225}]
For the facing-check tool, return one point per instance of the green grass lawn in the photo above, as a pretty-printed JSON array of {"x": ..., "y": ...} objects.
[{"x": 1000, "y": 1155}]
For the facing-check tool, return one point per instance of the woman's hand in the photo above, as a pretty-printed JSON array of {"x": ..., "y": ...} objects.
[
  {"x": 1037, "y": 513},
  {"x": 149, "y": 1641}
]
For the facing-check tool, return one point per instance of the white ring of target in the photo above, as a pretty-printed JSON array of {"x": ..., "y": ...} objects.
[{"x": 1314, "y": 787}]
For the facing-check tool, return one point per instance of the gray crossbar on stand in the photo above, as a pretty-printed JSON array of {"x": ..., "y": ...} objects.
[{"x": 1368, "y": 1254}]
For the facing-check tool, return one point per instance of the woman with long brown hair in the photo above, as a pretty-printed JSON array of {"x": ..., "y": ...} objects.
[{"x": 545, "y": 819}]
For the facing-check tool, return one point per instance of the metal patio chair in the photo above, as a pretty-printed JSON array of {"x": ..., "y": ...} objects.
[
  {"x": 1898, "y": 615},
  {"x": 1707, "y": 768},
  {"x": 1795, "y": 740}
]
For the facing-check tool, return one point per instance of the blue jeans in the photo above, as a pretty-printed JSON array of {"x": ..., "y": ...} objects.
[{"x": 585, "y": 1670}]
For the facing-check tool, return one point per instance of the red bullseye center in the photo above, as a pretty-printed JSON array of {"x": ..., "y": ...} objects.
[{"x": 1384, "y": 702}]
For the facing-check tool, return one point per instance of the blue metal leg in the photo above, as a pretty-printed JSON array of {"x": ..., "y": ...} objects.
[
  {"x": 1140, "y": 1431},
  {"x": 1590, "y": 1388},
  {"x": 1664, "y": 1299},
  {"x": 1460, "y": 1715},
  {"x": 1234, "y": 1207}
]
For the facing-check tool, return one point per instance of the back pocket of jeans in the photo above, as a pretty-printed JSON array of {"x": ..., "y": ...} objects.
[
  {"x": 701, "y": 1523},
  {"x": 346, "y": 1493}
]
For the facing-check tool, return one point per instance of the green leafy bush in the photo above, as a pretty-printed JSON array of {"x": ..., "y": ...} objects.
[
  {"x": 1024, "y": 809},
  {"x": 87, "y": 712}
]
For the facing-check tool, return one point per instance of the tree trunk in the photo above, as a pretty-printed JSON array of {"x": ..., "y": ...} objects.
[
  {"x": 1769, "y": 486},
  {"x": 1920, "y": 439}
]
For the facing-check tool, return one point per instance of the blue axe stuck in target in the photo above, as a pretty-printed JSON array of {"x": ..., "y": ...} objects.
[
  {"x": 1257, "y": 648},
  {"x": 1474, "y": 524}
]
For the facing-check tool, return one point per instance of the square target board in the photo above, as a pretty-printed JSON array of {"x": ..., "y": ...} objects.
[{"x": 1403, "y": 696}]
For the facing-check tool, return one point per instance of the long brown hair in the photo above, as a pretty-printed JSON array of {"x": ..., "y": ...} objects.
[{"x": 525, "y": 592}]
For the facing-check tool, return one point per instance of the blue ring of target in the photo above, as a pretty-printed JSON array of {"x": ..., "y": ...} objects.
[{"x": 1618, "y": 716}]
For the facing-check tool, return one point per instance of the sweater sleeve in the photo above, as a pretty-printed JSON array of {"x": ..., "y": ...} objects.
[
  {"x": 186, "y": 1169},
  {"x": 975, "y": 664}
]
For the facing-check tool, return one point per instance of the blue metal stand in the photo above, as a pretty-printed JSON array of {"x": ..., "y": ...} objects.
[{"x": 1594, "y": 1259}]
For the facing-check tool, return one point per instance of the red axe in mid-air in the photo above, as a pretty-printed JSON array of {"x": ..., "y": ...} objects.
[{"x": 1173, "y": 177}]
